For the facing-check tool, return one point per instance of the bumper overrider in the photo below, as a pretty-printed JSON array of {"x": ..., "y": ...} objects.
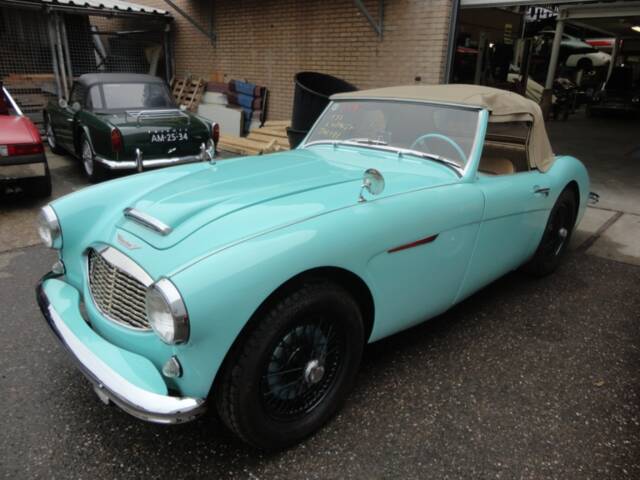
[{"x": 137, "y": 387}]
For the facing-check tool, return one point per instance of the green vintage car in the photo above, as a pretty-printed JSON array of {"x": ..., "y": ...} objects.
[{"x": 123, "y": 121}]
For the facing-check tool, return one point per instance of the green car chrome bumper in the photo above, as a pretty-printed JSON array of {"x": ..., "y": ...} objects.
[
  {"x": 148, "y": 163},
  {"x": 129, "y": 380}
]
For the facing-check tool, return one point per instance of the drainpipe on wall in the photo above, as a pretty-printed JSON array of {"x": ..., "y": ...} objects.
[{"x": 451, "y": 45}]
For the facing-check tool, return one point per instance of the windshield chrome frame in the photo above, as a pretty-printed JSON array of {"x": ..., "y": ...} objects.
[{"x": 463, "y": 170}]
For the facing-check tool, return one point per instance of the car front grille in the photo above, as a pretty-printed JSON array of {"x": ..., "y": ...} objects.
[{"x": 118, "y": 295}]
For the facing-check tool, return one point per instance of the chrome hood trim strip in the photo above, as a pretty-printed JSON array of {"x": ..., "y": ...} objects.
[{"x": 147, "y": 220}]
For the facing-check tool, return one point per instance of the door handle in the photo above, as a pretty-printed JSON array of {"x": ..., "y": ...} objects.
[
  {"x": 69, "y": 119},
  {"x": 541, "y": 190}
]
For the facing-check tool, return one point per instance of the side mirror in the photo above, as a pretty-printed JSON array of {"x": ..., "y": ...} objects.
[
  {"x": 373, "y": 182},
  {"x": 62, "y": 103},
  {"x": 76, "y": 107}
]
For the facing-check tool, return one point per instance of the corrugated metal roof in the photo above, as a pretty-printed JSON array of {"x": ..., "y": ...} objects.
[{"x": 108, "y": 5}]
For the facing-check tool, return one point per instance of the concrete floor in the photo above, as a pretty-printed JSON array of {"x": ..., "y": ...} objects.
[{"x": 610, "y": 148}]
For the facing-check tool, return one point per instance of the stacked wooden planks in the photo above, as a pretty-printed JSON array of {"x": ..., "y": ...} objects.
[{"x": 268, "y": 139}]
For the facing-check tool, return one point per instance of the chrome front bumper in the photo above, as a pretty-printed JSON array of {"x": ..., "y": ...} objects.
[
  {"x": 109, "y": 385},
  {"x": 148, "y": 163}
]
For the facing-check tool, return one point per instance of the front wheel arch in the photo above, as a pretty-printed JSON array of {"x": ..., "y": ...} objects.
[{"x": 348, "y": 280}]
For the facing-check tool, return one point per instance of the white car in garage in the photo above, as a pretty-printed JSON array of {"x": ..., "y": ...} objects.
[{"x": 578, "y": 54}]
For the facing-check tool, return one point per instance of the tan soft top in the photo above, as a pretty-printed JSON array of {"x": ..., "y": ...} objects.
[{"x": 502, "y": 105}]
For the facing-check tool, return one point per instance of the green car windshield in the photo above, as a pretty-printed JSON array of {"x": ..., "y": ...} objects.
[
  {"x": 442, "y": 132},
  {"x": 124, "y": 96}
]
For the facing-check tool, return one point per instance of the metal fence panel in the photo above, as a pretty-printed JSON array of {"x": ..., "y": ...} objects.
[{"x": 42, "y": 53}]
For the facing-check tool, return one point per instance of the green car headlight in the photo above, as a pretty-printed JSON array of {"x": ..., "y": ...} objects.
[
  {"x": 167, "y": 313},
  {"x": 49, "y": 228}
]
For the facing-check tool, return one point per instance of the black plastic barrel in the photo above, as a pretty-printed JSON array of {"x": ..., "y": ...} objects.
[
  {"x": 311, "y": 96},
  {"x": 295, "y": 136}
]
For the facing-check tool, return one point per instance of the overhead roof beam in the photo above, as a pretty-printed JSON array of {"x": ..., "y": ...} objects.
[
  {"x": 592, "y": 27},
  {"x": 210, "y": 34},
  {"x": 600, "y": 10},
  {"x": 376, "y": 25},
  {"x": 81, "y": 9}
]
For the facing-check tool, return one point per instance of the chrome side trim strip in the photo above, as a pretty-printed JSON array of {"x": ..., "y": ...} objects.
[
  {"x": 149, "y": 163},
  {"x": 147, "y": 220},
  {"x": 136, "y": 401}
]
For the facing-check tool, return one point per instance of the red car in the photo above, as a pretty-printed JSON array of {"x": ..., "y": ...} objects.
[{"x": 23, "y": 164}]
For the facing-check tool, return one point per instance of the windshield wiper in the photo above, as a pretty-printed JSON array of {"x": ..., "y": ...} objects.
[{"x": 366, "y": 141}]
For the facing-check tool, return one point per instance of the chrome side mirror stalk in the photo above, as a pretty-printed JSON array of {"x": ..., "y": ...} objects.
[{"x": 373, "y": 182}]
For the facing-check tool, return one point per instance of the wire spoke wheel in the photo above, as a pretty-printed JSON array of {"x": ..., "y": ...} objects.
[
  {"x": 302, "y": 368},
  {"x": 557, "y": 231},
  {"x": 87, "y": 158},
  {"x": 556, "y": 236},
  {"x": 51, "y": 138}
]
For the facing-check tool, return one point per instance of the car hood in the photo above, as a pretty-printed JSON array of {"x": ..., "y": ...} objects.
[
  {"x": 243, "y": 197},
  {"x": 137, "y": 132}
]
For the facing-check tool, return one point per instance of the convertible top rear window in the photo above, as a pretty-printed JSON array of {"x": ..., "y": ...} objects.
[{"x": 122, "y": 96}]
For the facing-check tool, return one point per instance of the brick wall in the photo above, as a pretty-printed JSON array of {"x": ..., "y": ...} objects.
[{"x": 268, "y": 41}]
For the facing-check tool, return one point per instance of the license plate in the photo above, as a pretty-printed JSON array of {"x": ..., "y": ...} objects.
[{"x": 169, "y": 136}]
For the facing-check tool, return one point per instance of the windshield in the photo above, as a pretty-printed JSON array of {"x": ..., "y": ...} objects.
[
  {"x": 121, "y": 96},
  {"x": 442, "y": 131}
]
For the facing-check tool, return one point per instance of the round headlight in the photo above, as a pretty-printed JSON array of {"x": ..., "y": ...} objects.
[
  {"x": 49, "y": 228},
  {"x": 167, "y": 313}
]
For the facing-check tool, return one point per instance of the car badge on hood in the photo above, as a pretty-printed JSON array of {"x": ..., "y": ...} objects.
[{"x": 126, "y": 243}]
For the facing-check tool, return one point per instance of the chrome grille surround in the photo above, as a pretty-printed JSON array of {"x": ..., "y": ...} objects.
[{"x": 118, "y": 287}]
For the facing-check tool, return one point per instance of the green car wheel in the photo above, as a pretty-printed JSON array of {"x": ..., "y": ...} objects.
[
  {"x": 51, "y": 136},
  {"x": 94, "y": 171}
]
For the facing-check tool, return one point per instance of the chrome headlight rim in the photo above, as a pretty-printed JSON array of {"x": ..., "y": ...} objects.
[
  {"x": 169, "y": 294},
  {"x": 48, "y": 221}
]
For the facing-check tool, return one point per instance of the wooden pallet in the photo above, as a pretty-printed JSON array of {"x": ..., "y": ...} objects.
[
  {"x": 268, "y": 139},
  {"x": 188, "y": 92}
]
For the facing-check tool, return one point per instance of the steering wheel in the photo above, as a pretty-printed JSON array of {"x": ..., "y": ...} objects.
[{"x": 439, "y": 136}]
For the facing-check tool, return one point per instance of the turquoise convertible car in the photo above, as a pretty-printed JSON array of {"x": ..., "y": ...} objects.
[{"x": 251, "y": 285}]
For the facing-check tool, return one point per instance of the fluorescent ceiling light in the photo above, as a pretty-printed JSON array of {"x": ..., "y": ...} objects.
[{"x": 636, "y": 28}]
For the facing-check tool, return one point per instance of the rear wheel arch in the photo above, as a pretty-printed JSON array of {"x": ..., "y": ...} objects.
[{"x": 575, "y": 189}]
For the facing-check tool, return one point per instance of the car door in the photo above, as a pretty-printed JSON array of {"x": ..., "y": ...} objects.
[
  {"x": 429, "y": 248},
  {"x": 515, "y": 215},
  {"x": 64, "y": 124}
]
